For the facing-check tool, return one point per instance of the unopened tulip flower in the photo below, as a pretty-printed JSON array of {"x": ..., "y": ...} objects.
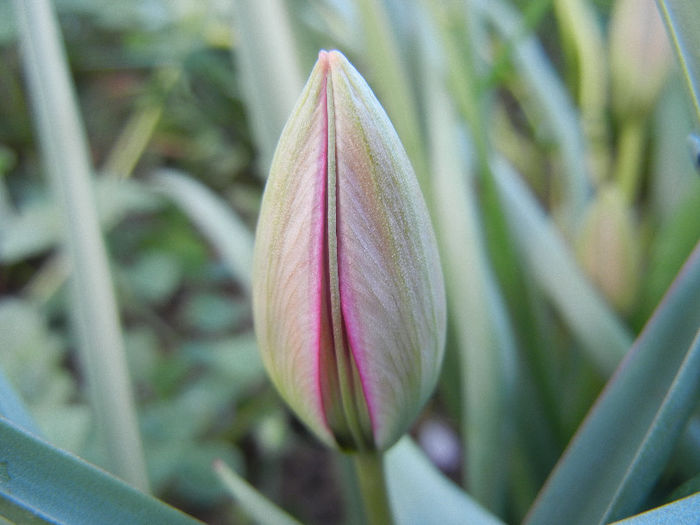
[{"x": 348, "y": 293}]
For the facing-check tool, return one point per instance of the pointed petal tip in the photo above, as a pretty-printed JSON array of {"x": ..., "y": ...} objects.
[{"x": 330, "y": 58}]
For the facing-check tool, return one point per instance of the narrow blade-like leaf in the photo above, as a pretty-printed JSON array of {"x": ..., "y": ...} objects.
[
  {"x": 477, "y": 312},
  {"x": 421, "y": 495},
  {"x": 626, "y": 439},
  {"x": 682, "y": 19},
  {"x": 257, "y": 506},
  {"x": 222, "y": 228},
  {"x": 591, "y": 320},
  {"x": 42, "y": 484},
  {"x": 94, "y": 308}
]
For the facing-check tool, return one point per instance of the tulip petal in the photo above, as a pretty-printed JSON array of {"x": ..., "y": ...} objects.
[
  {"x": 391, "y": 284},
  {"x": 288, "y": 274}
]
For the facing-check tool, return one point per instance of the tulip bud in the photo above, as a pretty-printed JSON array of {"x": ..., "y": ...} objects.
[
  {"x": 348, "y": 295},
  {"x": 608, "y": 248},
  {"x": 640, "y": 56}
]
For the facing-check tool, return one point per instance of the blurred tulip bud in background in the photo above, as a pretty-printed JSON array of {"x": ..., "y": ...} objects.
[
  {"x": 608, "y": 248},
  {"x": 640, "y": 56},
  {"x": 348, "y": 293}
]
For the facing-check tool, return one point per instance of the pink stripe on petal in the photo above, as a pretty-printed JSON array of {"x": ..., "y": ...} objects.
[{"x": 321, "y": 239}]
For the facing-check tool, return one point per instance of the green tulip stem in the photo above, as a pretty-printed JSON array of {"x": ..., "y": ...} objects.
[
  {"x": 629, "y": 157},
  {"x": 372, "y": 480}
]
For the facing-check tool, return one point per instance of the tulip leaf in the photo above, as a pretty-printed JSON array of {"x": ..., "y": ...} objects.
[
  {"x": 12, "y": 407},
  {"x": 682, "y": 18},
  {"x": 591, "y": 320},
  {"x": 390, "y": 81},
  {"x": 682, "y": 512},
  {"x": 421, "y": 495},
  {"x": 257, "y": 506},
  {"x": 95, "y": 314},
  {"x": 477, "y": 311},
  {"x": 551, "y": 99},
  {"x": 626, "y": 439},
  {"x": 226, "y": 232},
  {"x": 42, "y": 484},
  {"x": 266, "y": 55}
]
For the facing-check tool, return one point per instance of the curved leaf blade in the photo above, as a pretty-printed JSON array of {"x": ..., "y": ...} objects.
[
  {"x": 682, "y": 18},
  {"x": 421, "y": 495},
  {"x": 218, "y": 223},
  {"x": 42, "y": 484},
  {"x": 624, "y": 443},
  {"x": 257, "y": 506},
  {"x": 12, "y": 407},
  {"x": 593, "y": 323}
]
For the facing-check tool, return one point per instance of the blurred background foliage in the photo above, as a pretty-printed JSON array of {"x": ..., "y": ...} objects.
[{"x": 581, "y": 97}]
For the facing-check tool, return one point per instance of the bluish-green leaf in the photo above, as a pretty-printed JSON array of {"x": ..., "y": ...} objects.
[
  {"x": 42, "y": 484},
  {"x": 681, "y": 512},
  {"x": 626, "y": 439},
  {"x": 682, "y": 19},
  {"x": 12, "y": 408}
]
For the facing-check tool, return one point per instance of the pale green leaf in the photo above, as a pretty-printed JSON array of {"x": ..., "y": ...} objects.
[
  {"x": 477, "y": 311},
  {"x": 552, "y": 101},
  {"x": 267, "y": 58},
  {"x": 253, "y": 502},
  {"x": 593, "y": 323},
  {"x": 682, "y": 19},
  {"x": 66, "y": 157},
  {"x": 226, "y": 232},
  {"x": 421, "y": 495}
]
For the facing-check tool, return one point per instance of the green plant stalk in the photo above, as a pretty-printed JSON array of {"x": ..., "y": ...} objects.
[
  {"x": 581, "y": 29},
  {"x": 270, "y": 73},
  {"x": 477, "y": 309},
  {"x": 550, "y": 100},
  {"x": 390, "y": 78},
  {"x": 371, "y": 478},
  {"x": 139, "y": 129},
  {"x": 94, "y": 307},
  {"x": 629, "y": 157}
]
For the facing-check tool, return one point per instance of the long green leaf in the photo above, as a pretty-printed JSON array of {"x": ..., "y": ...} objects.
[
  {"x": 257, "y": 506},
  {"x": 96, "y": 318},
  {"x": 591, "y": 320},
  {"x": 477, "y": 312},
  {"x": 552, "y": 100},
  {"x": 421, "y": 495},
  {"x": 12, "y": 408},
  {"x": 229, "y": 236},
  {"x": 682, "y": 18},
  {"x": 42, "y": 484},
  {"x": 626, "y": 439},
  {"x": 265, "y": 51},
  {"x": 390, "y": 80},
  {"x": 682, "y": 512}
]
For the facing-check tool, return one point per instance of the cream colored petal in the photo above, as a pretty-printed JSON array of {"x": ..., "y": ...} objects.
[
  {"x": 391, "y": 284},
  {"x": 288, "y": 262}
]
